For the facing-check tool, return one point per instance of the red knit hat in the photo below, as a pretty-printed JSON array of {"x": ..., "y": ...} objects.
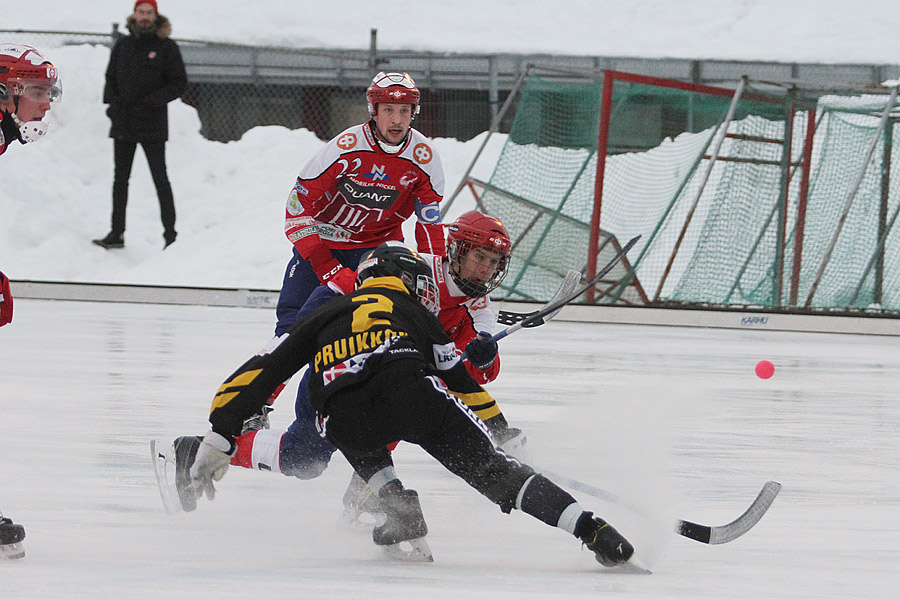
[{"x": 150, "y": 2}]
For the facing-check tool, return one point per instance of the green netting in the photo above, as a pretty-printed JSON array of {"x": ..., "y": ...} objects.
[
  {"x": 735, "y": 231},
  {"x": 543, "y": 185}
]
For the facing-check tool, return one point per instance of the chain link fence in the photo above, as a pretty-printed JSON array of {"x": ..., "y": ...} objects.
[{"x": 236, "y": 87}]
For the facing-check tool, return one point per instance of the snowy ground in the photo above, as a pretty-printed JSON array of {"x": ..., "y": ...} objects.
[{"x": 673, "y": 420}]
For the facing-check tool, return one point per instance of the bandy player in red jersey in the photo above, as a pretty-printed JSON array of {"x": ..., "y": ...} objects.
[
  {"x": 28, "y": 85},
  {"x": 356, "y": 193}
]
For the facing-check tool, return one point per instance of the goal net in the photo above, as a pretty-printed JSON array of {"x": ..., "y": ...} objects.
[{"x": 755, "y": 196}]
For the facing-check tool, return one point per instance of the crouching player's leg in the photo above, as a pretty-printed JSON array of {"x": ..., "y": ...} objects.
[{"x": 462, "y": 443}]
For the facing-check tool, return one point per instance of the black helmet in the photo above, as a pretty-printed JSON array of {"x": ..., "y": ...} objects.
[{"x": 393, "y": 259}]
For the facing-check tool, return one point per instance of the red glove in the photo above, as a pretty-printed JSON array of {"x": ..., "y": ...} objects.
[
  {"x": 342, "y": 282},
  {"x": 6, "y": 301},
  {"x": 338, "y": 277}
]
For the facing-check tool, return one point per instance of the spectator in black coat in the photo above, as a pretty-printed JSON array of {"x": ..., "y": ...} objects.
[{"x": 145, "y": 73}]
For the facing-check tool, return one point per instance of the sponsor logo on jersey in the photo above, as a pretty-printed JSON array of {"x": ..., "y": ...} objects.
[
  {"x": 330, "y": 232},
  {"x": 352, "y": 365},
  {"x": 346, "y": 141},
  {"x": 445, "y": 356},
  {"x": 371, "y": 197},
  {"x": 299, "y": 222},
  {"x": 409, "y": 178},
  {"x": 422, "y": 154},
  {"x": 377, "y": 174},
  {"x": 299, "y": 235},
  {"x": 294, "y": 207},
  {"x": 300, "y": 188},
  {"x": 437, "y": 269},
  {"x": 479, "y": 302}
]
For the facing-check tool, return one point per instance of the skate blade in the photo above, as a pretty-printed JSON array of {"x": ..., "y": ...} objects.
[
  {"x": 11, "y": 551},
  {"x": 414, "y": 550},
  {"x": 362, "y": 520},
  {"x": 633, "y": 566},
  {"x": 163, "y": 460}
]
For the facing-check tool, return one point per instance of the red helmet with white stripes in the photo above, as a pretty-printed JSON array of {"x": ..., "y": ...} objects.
[
  {"x": 396, "y": 88},
  {"x": 22, "y": 66}
]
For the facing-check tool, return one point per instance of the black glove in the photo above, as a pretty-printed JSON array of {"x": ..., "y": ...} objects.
[
  {"x": 503, "y": 433},
  {"x": 497, "y": 425},
  {"x": 482, "y": 351}
]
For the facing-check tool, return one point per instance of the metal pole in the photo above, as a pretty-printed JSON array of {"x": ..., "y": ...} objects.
[
  {"x": 713, "y": 157},
  {"x": 884, "y": 228},
  {"x": 373, "y": 50},
  {"x": 602, "y": 151},
  {"x": 802, "y": 198},
  {"x": 493, "y": 87},
  {"x": 783, "y": 202},
  {"x": 494, "y": 127},
  {"x": 852, "y": 195}
]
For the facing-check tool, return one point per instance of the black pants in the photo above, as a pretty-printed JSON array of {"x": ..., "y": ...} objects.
[
  {"x": 403, "y": 403},
  {"x": 123, "y": 153}
]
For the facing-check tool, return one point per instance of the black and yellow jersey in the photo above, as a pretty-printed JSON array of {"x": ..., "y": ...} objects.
[{"x": 344, "y": 341}]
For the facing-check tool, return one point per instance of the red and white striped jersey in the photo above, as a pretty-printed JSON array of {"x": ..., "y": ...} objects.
[
  {"x": 353, "y": 194},
  {"x": 463, "y": 317}
]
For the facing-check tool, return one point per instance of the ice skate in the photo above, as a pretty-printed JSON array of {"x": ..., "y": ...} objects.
[
  {"x": 172, "y": 466},
  {"x": 359, "y": 501},
  {"x": 258, "y": 421},
  {"x": 609, "y": 546},
  {"x": 11, "y": 536},
  {"x": 403, "y": 533}
]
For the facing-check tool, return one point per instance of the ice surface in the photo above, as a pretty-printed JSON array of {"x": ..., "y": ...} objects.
[{"x": 672, "y": 420}]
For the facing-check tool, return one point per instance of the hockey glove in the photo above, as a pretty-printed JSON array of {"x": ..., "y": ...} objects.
[
  {"x": 211, "y": 462},
  {"x": 343, "y": 282},
  {"x": 6, "y": 301},
  {"x": 482, "y": 351}
]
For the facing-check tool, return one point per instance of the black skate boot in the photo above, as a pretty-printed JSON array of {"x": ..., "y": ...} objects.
[
  {"x": 404, "y": 522},
  {"x": 359, "y": 500},
  {"x": 185, "y": 451},
  {"x": 11, "y": 536},
  {"x": 609, "y": 546}
]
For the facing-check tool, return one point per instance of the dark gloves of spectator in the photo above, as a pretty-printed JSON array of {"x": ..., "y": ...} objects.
[{"x": 482, "y": 351}]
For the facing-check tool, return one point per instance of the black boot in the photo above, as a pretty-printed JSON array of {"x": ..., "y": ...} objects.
[
  {"x": 609, "y": 546},
  {"x": 185, "y": 452},
  {"x": 112, "y": 241},
  {"x": 404, "y": 518},
  {"x": 11, "y": 536},
  {"x": 169, "y": 238}
]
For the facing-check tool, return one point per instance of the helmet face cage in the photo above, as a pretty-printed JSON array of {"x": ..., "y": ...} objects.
[
  {"x": 396, "y": 88},
  {"x": 473, "y": 230},
  {"x": 393, "y": 259},
  {"x": 459, "y": 249},
  {"x": 23, "y": 70}
]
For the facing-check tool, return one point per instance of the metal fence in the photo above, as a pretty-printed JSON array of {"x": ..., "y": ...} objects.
[{"x": 235, "y": 87}]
